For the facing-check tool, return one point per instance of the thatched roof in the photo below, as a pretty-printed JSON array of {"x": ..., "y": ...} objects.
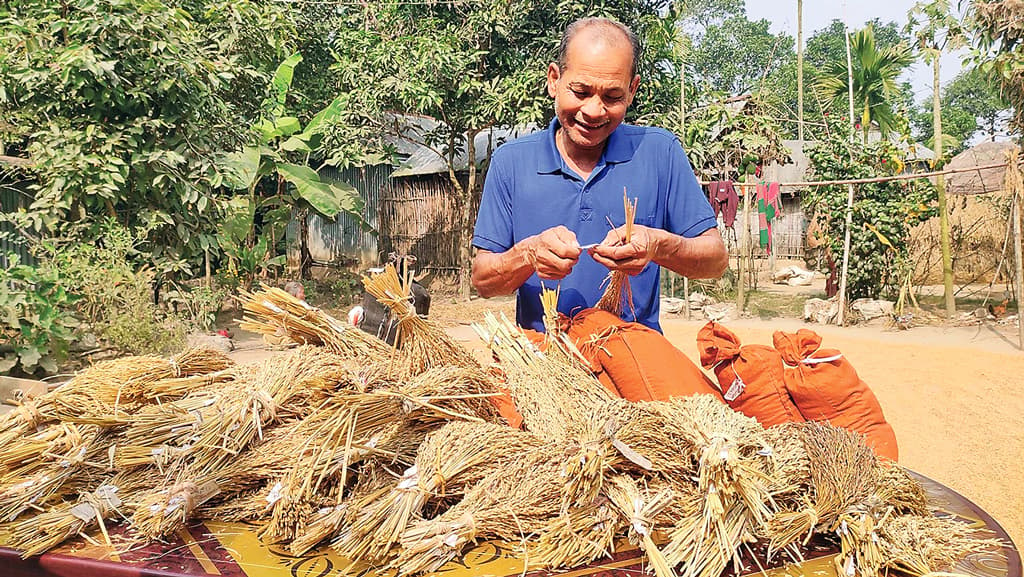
[{"x": 978, "y": 181}]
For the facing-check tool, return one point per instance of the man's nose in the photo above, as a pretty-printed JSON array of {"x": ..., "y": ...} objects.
[{"x": 592, "y": 108}]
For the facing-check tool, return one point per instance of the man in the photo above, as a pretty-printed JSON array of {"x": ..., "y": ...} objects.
[{"x": 548, "y": 193}]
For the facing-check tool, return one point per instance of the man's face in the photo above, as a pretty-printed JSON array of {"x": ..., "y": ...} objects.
[{"x": 594, "y": 91}]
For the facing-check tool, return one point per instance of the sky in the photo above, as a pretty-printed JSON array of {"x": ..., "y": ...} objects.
[{"x": 818, "y": 13}]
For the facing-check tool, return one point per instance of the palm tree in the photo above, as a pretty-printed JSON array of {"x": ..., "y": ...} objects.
[{"x": 874, "y": 79}]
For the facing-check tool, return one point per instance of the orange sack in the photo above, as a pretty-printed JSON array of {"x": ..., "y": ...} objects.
[
  {"x": 751, "y": 376},
  {"x": 825, "y": 387},
  {"x": 635, "y": 360}
]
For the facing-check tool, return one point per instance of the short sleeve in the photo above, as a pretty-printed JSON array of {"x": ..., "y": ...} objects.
[
  {"x": 689, "y": 212},
  {"x": 493, "y": 229}
]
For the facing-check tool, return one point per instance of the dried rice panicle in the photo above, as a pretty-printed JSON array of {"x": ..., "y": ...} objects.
[
  {"x": 733, "y": 485},
  {"x": 555, "y": 399},
  {"x": 454, "y": 457},
  {"x": 919, "y": 545},
  {"x": 844, "y": 474},
  {"x": 272, "y": 311},
  {"x": 899, "y": 490},
  {"x": 557, "y": 343},
  {"x": 579, "y": 536},
  {"x": 640, "y": 512},
  {"x": 42, "y": 532},
  {"x": 650, "y": 438},
  {"x": 177, "y": 387},
  {"x": 618, "y": 293},
  {"x": 514, "y": 501},
  {"x": 787, "y": 463},
  {"x": 33, "y": 484},
  {"x": 424, "y": 343}
]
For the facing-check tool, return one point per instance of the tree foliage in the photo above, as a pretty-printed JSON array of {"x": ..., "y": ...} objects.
[
  {"x": 123, "y": 105},
  {"x": 875, "y": 73},
  {"x": 998, "y": 30},
  {"x": 884, "y": 213}
]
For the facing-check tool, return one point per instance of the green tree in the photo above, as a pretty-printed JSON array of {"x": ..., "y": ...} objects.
[
  {"x": 734, "y": 56},
  {"x": 875, "y": 73},
  {"x": 971, "y": 107},
  {"x": 997, "y": 28},
  {"x": 470, "y": 66},
  {"x": 120, "y": 107},
  {"x": 826, "y": 46}
]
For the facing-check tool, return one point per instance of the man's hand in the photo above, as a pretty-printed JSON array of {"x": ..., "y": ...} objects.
[
  {"x": 552, "y": 253},
  {"x": 628, "y": 257}
]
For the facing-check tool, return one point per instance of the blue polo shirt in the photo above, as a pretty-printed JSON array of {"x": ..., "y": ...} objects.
[{"x": 529, "y": 189}]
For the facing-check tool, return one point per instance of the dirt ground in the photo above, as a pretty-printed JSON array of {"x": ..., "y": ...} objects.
[{"x": 951, "y": 394}]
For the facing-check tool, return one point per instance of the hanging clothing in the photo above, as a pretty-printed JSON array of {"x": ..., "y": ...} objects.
[
  {"x": 769, "y": 207},
  {"x": 724, "y": 200}
]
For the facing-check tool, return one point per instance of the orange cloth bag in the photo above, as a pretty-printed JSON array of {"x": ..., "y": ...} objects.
[
  {"x": 751, "y": 376},
  {"x": 636, "y": 361},
  {"x": 826, "y": 387}
]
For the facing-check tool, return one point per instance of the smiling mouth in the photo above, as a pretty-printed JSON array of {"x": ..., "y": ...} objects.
[{"x": 587, "y": 126}]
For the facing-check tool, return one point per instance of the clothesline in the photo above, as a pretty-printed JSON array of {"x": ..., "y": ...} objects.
[{"x": 912, "y": 176}]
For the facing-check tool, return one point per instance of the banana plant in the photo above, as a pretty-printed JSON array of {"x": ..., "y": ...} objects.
[{"x": 279, "y": 138}]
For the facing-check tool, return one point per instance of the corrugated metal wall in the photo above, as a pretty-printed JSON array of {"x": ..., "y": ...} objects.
[
  {"x": 342, "y": 241},
  {"x": 11, "y": 199}
]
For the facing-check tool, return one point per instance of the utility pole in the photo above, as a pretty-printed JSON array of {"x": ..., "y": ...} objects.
[
  {"x": 841, "y": 318},
  {"x": 800, "y": 70}
]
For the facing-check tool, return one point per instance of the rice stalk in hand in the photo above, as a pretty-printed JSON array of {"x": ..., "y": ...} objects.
[
  {"x": 618, "y": 292},
  {"x": 425, "y": 345},
  {"x": 272, "y": 311},
  {"x": 552, "y": 408}
]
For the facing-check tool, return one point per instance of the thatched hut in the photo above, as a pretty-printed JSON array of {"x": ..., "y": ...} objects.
[{"x": 979, "y": 211}]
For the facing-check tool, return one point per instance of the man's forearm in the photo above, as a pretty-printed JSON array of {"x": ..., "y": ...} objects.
[
  {"x": 703, "y": 256},
  {"x": 501, "y": 273}
]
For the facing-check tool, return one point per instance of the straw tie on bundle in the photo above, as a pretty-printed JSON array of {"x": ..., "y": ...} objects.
[
  {"x": 618, "y": 290},
  {"x": 640, "y": 514}
]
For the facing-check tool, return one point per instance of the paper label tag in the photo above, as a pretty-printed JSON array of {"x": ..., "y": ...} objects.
[
  {"x": 108, "y": 493},
  {"x": 632, "y": 455},
  {"x": 207, "y": 491},
  {"x": 84, "y": 511},
  {"x": 735, "y": 389}
]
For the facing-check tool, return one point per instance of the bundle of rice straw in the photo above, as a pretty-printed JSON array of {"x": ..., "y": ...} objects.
[
  {"x": 33, "y": 484},
  {"x": 577, "y": 536},
  {"x": 456, "y": 456},
  {"x": 618, "y": 291},
  {"x": 272, "y": 311},
  {"x": 37, "y": 534},
  {"x": 107, "y": 392},
  {"x": 556, "y": 399},
  {"x": 514, "y": 501},
  {"x": 844, "y": 474},
  {"x": 923, "y": 545},
  {"x": 641, "y": 514},
  {"x": 424, "y": 343},
  {"x": 732, "y": 484}
]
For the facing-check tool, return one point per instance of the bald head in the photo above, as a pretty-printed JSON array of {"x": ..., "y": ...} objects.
[{"x": 604, "y": 30}]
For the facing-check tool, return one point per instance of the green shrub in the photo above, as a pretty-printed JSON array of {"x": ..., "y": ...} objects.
[{"x": 35, "y": 319}]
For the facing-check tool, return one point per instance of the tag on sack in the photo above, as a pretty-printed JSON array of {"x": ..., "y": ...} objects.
[{"x": 735, "y": 389}]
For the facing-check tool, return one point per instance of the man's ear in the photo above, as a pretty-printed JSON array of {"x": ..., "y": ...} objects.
[
  {"x": 634, "y": 85},
  {"x": 553, "y": 75}
]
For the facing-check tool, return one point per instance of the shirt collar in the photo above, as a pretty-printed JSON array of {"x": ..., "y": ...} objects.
[{"x": 617, "y": 149}]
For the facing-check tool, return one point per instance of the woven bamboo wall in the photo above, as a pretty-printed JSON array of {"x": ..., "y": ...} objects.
[{"x": 419, "y": 215}]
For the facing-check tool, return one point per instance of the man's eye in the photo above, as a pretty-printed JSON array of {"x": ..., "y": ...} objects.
[{"x": 579, "y": 93}]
